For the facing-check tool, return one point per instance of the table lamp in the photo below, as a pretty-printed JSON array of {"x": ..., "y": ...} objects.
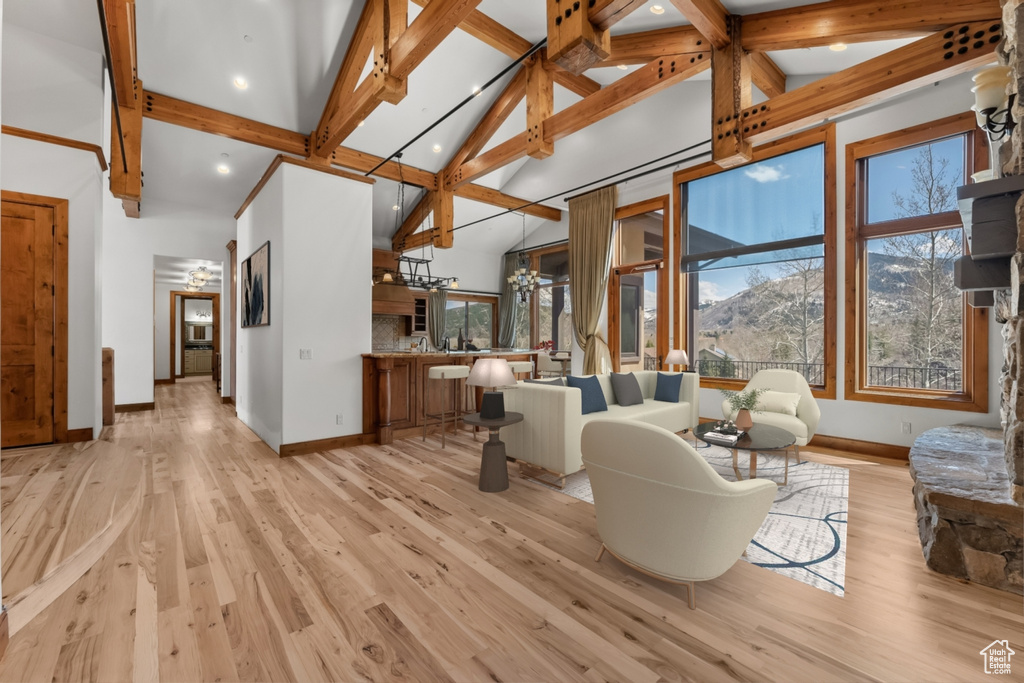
[
  {"x": 677, "y": 357},
  {"x": 491, "y": 372}
]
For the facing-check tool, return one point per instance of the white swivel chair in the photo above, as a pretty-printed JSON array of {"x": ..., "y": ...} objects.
[
  {"x": 548, "y": 366},
  {"x": 660, "y": 507},
  {"x": 803, "y": 424}
]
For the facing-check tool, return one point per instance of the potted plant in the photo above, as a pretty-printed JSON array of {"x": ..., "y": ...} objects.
[{"x": 743, "y": 402}]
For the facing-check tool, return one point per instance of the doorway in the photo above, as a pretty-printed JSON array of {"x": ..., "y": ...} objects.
[
  {"x": 198, "y": 343},
  {"x": 33, "y": 320},
  {"x": 638, "y": 310}
]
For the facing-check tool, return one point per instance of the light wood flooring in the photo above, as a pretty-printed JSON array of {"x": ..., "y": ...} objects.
[{"x": 180, "y": 548}]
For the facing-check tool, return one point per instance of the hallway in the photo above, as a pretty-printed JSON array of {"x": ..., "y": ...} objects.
[{"x": 180, "y": 548}]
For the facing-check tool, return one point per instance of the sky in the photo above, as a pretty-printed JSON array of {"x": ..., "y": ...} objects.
[{"x": 784, "y": 197}]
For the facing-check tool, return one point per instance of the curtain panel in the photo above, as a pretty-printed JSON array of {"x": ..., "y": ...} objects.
[
  {"x": 437, "y": 305},
  {"x": 591, "y": 224},
  {"x": 507, "y": 308}
]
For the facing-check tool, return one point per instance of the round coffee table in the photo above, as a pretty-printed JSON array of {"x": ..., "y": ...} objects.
[
  {"x": 493, "y": 470},
  {"x": 757, "y": 438}
]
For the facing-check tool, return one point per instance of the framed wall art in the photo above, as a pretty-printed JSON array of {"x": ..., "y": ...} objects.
[{"x": 255, "y": 276}]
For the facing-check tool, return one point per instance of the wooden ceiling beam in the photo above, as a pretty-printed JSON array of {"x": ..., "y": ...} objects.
[
  {"x": 479, "y": 193},
  {"x": 413, "y": 221},
  {"x": 444, "y": 219},
  {"x": 540, "y": 105},
  {"x": 628, "y": 90},
  {"x": 511, "y": 44},
  {"x": 604, "y": 14},
  {"x": 126, "y": 181},
  {"x": 730, "y": 94},
  {"x": 120, "y": 18},
  {"x": 708, "y": 17},
  {"x": 499, "y": 112},
  {"x": 346, "y": 107},
  {"x": 854, "y": 21},
  {"x": 643, "y": 46},
  {"x": 196, "y": 117},
  {"x": 574, "y": 43},
  {"x": 420, "y": 239},
  {"x": 924, "y": 61},
  {"x": 767, "y": 75},
  {"x": 438, "y": 19}
]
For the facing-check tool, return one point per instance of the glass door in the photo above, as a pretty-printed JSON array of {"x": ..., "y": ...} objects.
[{"x": 635, "y": 322}]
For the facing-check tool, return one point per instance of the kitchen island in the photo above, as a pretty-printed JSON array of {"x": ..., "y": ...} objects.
[{"x": 395, "y": 388}]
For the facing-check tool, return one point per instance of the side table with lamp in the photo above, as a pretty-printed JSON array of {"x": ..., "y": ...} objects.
[{"x": 492, "y": 373}]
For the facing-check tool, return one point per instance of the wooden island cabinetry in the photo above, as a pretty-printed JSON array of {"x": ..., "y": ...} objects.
[{"x": 395, "y": 388}]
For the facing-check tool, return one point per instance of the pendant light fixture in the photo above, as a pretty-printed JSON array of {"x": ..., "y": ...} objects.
[{"x": 523, "y": 281}]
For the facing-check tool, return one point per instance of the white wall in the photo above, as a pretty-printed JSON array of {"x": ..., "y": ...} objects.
[
  {"x": 259, "y": 384},
  {"x": 49, "y": 170},
  {"x": 327, "y": 302},
  {"x": 52, "y": 86},
  {"x": 320, "y": 266},
  {"x": 164, "y": 229}
]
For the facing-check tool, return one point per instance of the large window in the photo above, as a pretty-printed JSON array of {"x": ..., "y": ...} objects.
[
  {"x": 553, "y": 301},
  {"x": 472, "y": 317},
  {"x": 910, "y": 332},
  {"x": 758, "y": 257}
]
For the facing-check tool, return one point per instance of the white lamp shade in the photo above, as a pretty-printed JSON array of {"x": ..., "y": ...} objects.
[
  {"x": 990, "y": 88},
  {"x": 677, "y": 357},
  {"x": 491, "y": 372}
]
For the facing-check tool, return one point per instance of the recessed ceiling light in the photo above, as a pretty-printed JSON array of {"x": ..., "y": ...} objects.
[
  {"x": 241, "y": 83},
  {"x": 437, "y": 148},
  {"x": 837, "y": 47},
  {"x": 360, "y": 124},
  {"x": 395, "y": 207},
  {"x": 476, "y": 91},
  {"x": 623, "y": 67},
  {"x": 247, "y": 38},
  {"x": 657, "y": 9},
  {"x": 223, "y": 169}
]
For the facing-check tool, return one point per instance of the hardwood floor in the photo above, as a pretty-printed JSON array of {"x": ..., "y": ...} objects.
[{"x": 180, "y": 548}]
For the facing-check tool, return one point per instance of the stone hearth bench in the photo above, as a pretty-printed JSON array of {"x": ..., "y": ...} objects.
[{"x": 970, "y": 527}]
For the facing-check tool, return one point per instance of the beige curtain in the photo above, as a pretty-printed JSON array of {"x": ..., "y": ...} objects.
[
  {"x": 591, "y": 222},
  {"x": 437, "y": 307},
  {"x": 507, "y": 307}
]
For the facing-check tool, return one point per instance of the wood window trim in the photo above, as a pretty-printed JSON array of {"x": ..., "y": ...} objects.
[
  {"x": 534, "y": 256},
  {"x": 821, "y": 135},
  {"x": 660, "y": 203},
  {"x": 60, "y": 304},
  {"x": 481, "y": 299},
  {"x": 974, "y": 397}
]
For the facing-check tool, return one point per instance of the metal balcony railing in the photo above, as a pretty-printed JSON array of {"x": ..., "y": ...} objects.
[{"x": 938, "y": 378}]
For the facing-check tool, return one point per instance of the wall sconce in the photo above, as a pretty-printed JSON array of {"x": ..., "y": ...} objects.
[{"x": 992, "y": 108}]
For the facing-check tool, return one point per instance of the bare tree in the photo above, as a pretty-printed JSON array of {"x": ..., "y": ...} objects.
[
  {"x": 932, "y": 335},
  {"x": 791, "y": 311}
]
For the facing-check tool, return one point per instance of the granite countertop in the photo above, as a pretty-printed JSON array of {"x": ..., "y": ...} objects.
[{"x": 485, "y": 352}]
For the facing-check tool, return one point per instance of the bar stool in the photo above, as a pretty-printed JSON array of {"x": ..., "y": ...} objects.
[
  {"x": 443, "y": 373},
  {"x": 520, "y": 367}
]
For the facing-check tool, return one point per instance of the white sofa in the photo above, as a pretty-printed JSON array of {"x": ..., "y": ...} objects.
[{"x": 549, "y": 435}]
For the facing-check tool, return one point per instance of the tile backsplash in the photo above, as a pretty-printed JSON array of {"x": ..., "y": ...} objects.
[{"x": 386, "y": 332}]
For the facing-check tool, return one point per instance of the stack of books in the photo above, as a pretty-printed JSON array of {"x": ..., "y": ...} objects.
[{"x": 722, "y": 439}]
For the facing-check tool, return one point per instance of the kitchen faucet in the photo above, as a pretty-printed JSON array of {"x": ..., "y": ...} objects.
[
  {"x": 421, "y": 345},
  {"x": 444, "y": 345}
]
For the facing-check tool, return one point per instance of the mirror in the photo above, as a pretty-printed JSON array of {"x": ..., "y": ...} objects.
[{"x": 199, "y": 332}]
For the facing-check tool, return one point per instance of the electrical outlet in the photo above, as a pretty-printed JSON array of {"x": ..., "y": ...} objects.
[
  {"x": 339, "y": 419},
  {"x": 906, "y": 427},
  {"x": 305, "y": 354}
]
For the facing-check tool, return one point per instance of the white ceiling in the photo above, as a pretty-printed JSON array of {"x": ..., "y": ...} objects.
[
  {"x": 173, "y": 270},
  {"x": 193, "y": 49}
]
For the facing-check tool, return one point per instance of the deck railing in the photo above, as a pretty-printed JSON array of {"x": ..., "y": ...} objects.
[{"x": 943, "y": 379}]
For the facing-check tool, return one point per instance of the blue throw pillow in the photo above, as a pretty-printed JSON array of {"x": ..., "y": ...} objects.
[
  {"x": 590, "y": 388},
  {"x": 667, "y": 389}
]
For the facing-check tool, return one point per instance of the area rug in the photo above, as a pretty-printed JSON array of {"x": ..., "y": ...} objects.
[{"x": 804, "y": 535}]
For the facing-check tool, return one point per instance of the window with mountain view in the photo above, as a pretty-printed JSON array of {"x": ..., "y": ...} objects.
[
  {"x": 914, "y": 333},
  {"x": 756, "y": 247},
  {"x": 472, "y": 318}
]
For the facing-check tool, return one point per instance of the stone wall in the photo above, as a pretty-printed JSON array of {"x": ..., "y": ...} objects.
[{"x": 1009, "y": 308}]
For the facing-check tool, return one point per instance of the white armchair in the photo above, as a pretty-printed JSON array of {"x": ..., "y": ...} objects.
[
  {"x": 803, "y": 423},
  {"x": 660, "y": 507}
]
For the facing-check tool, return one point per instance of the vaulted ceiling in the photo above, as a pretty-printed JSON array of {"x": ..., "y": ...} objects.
[{"x": 188, "y": 54}]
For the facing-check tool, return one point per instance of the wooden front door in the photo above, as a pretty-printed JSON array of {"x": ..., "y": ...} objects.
[{"x": 27, "y": 341}]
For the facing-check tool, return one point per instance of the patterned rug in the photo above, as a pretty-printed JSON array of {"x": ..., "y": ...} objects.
[{"x": 804, "y": 535}]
